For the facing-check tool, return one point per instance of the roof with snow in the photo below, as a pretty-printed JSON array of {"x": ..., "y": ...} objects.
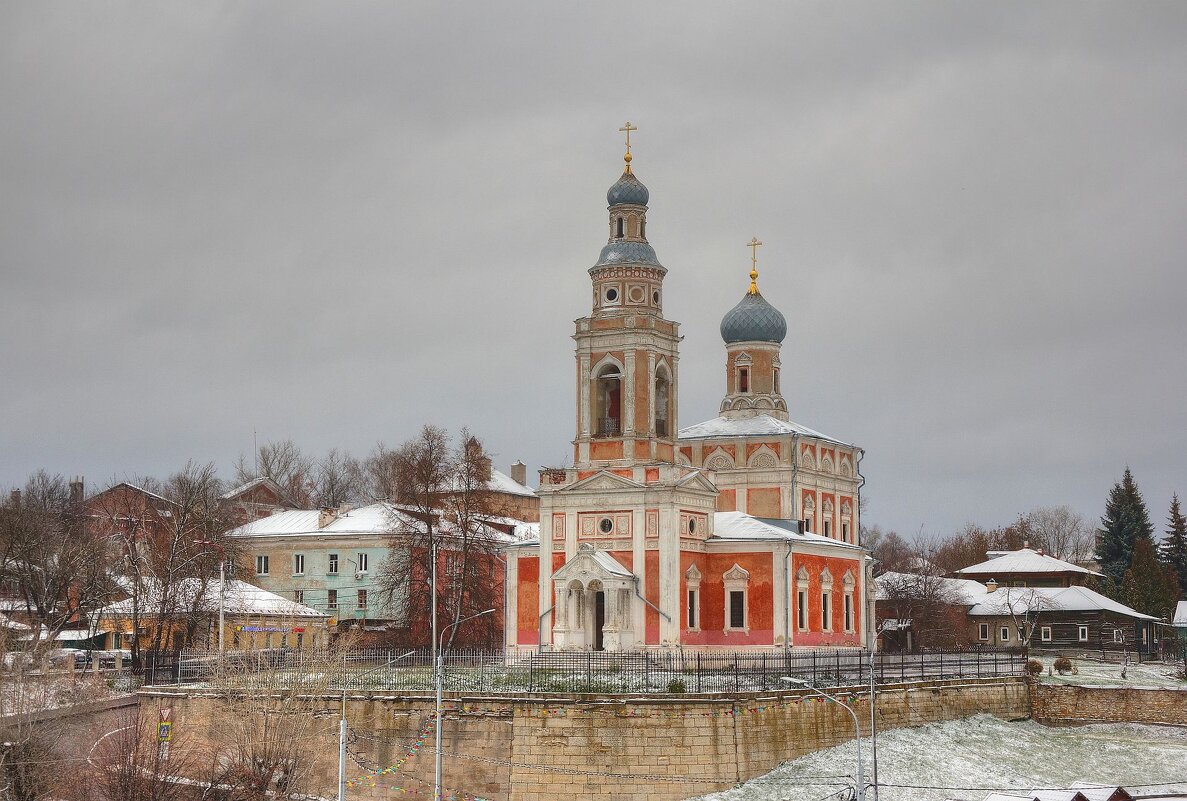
[
  {"x": 262, "y": 481},
  {"x": 761, "y": 425},
  {"x": 378, "y": 519},
  {"x": 1067, "y": 599},
  {"x": 1181, "y": 614},
  {"x": 966, "y": 591},
  {"x": 241, "y": 598},
  {"x": 1024, "y": 560},
  {"x": 501, "y": 482},
  {"x": 741, "y": 526}
]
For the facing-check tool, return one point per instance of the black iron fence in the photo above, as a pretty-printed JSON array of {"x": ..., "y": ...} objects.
[{"x": 568, "y": 672}]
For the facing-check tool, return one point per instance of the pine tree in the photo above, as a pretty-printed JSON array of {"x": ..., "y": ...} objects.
[
  {"x": 1149, "y": 586},
  {"x": 1174, "y": 547},
  {"x": 1124, "y": 524}
]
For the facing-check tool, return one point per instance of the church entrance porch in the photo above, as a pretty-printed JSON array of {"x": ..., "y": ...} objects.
[{"x": 593, "y": 603}]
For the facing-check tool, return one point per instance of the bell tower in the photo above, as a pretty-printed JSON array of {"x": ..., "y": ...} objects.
[{"x": 627, "y": 353}]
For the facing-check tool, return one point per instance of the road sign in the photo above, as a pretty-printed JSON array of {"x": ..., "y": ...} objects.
[
  {"x": 165, "y": 731},
  {"x": 166, "y": 714}
]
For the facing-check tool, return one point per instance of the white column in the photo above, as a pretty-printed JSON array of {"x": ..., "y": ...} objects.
[
  {"x": 628, "y": 394},
  {"x": 583, "y": 390}
]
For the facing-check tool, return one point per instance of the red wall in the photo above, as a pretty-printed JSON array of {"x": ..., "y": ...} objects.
[{"x": 527, "y": 617}]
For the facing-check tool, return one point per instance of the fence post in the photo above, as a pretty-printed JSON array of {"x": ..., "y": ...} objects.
[
  {"x": 813, "y": 665},
  {"x": 531, "y": 671},
  {"x": 646, "y": 673},
  {"x": 941, "y": 663},
  {"x": 588, "y": 670},
  {"x": 698, "y": 671}
]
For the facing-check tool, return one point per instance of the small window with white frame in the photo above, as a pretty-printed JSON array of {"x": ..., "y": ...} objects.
[
  {"x": 298, "y": 564},
  {"x": 362, "y": 562},
  {"x": 1045, "y": 634},
  {"x": 332, "y": 566},
  {"x": 1004, "y": 633},
  {"x": 693, "y": 578},
  {"x": 1082, "y": 633},
  {"x": 261, "y": 565},
  {"x": 1118, "y": 635},
  {"x": 983, "y": 632}
]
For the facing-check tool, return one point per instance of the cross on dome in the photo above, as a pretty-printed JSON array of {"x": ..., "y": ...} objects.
[
  {"x": 627, "y": 129},
  {"x": 753, "y": 244}
]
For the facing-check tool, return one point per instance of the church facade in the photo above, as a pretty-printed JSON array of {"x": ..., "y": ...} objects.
[{"x": 737, "y": 532}]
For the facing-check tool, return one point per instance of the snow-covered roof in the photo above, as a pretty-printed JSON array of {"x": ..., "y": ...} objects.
[
  {"x": 761, "y": 425},
  {"x": 12, "y": 625},
  {"x": 1066, "y": 599},
  {"x": 250, "y": 485},
  {"x": 610, "y": 564},
  {"x": 1024, "y": 560},
  {"x": 501, "y": 482},
  {"x": 380, "y": 519},
  {"x": 375, "y": 518},
  {"x": 241, "y": 598},
  {"x": 1180, "y": 618},
  {"x": 741, "y": 526},
  {"x": 966, "y": 591},
  {"x": 66, "y": 635}
]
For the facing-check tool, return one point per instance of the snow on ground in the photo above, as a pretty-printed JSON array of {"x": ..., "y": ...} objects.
[
  {"x": 972, "y": 757},
  {"x": 1096, "y": 674}
]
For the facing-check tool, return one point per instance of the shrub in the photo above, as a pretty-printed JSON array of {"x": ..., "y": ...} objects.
[
  {"x": 676, "y": 686},
  {"x": 1063, "y": 665},
  {"x": 1034, "y": 667}
]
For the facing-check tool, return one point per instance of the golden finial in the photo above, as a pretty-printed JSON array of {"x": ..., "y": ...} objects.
[
  {"x": 753, "y": 245},
  {"x": 628, "y": 128}
]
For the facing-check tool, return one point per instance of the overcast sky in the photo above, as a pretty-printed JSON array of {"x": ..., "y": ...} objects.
[{"x": 336, "y": 222}]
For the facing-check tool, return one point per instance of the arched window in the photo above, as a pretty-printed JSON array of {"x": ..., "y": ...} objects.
[
  {"x": 663, "y": 403},
  {"x": 619, "y": 227},
  {"x": 743, "y": 379},
  {"x": 609, "y": 401},
  {"x": 643, "y": 229},
  {"x": 775, "y": 381}
]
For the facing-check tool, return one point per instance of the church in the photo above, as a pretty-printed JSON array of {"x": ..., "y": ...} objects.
[{"x": 740, "y": 532}]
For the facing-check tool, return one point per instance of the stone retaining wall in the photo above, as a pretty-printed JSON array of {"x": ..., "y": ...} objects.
[
  {"x": 1068, "y": 704},
  {"x": 663, "y": 748}
]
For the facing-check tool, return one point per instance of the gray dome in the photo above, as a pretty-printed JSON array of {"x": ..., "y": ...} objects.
[
  {"x": 627, "y": 253},
  {"x": 629, "y": 189},
  {"x": 753, "y": 320}
]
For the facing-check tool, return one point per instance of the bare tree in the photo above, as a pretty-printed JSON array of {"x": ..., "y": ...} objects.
[
  {"x": 1062, "y": 532},
  {"x": 1023, "y": 606},
  {"x": 169, "y": 538},
  {"x": 337, "y": 478},
  {"x": 443, "y": 502},
  {"x": 891, "y": 552},
  {"x": 284, "y": 463},
  {"x": 274, "y": 722},
  {"x": 935, "y": 605},
  {"x": 130, "y": 764},
  {"x": 49, "y": 559}
]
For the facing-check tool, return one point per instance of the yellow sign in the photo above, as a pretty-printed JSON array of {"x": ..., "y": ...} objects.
[{"x": 165, "y": 731}]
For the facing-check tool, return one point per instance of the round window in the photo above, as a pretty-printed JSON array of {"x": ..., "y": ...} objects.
[
  {"x": 692, "y": 525},
  {"x": 655, "y": 297},
  {"x": 606, "y": 525},
  {"x": 611, "y": 294}
]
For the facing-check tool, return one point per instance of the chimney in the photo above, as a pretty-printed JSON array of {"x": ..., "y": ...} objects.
[
  {"x": 519, "y": 473},
  {"x": 326, "y": 515},
  {"x": 76, "y": 490},
  {"x": 15, "y": 498},
  {"x": 991, "y": 585},
  {"x": 344, "y": 509}
]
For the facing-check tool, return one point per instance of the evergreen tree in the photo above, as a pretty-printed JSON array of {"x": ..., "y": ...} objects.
[
  {"x": 1150, "y": 586},
  {"x": 1125, "y": 523},
  {"x": 1174, "y": 547}
]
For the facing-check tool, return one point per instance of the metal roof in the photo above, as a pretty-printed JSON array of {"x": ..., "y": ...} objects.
[
  {"x": 1024, "y": 560},
  {"x": 760, "y": 425},
  {"x": 753, "y": 320}
]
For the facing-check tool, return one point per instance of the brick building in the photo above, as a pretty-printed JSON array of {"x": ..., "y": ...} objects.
[{"x": 741, "y": 531}]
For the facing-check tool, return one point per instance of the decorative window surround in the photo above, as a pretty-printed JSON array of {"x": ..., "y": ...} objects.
[
  {"x": 693, "y": 578},
  {"x": 736, "y": 579}
]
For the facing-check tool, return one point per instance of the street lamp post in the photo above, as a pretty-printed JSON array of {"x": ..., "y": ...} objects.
[
  {"x": 440, "y": 681},
  {"x": 858, "y": 777},
  {"x": 222, "y": 588}
]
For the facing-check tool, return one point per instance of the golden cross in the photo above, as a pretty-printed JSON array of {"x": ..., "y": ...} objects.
[
  {"x": 753, "y": 245},
  {"x": 628, "y": 128}
]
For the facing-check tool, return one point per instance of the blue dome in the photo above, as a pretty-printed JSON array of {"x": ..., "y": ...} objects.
[
  {"x": 627, "y": 253},
  {"x": 753, "y": 320},
  {"x": 629, "y": 189}
]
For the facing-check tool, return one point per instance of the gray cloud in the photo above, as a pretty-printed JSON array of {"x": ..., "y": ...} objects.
[{"x": 338, "y": 221}]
